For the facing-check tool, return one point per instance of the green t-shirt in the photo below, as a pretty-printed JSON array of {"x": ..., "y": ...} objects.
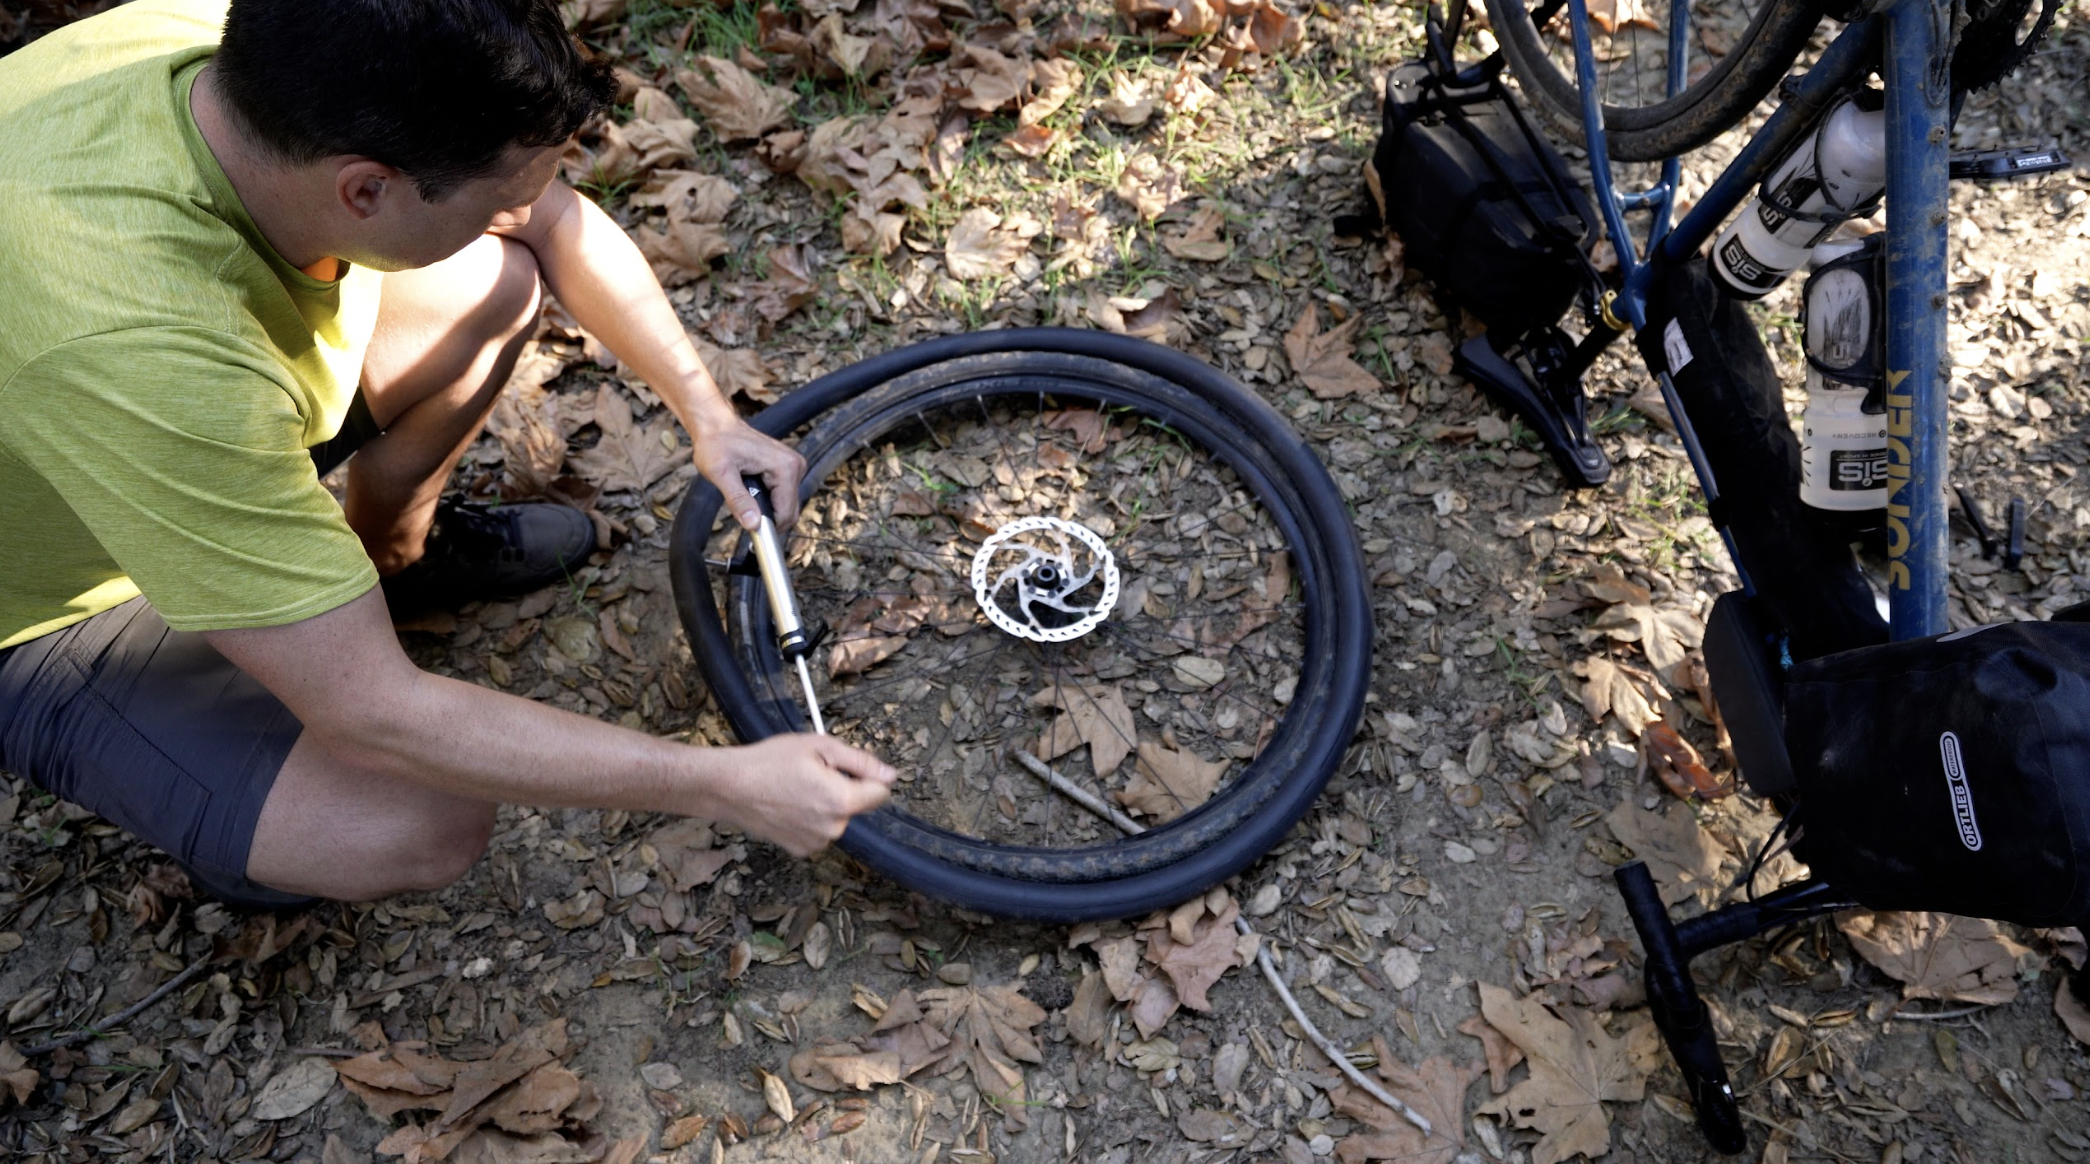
[{"x": 162, "y": 370}]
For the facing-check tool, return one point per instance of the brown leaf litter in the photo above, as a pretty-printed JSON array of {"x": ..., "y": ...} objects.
[
  {"x": 1089, "y": 714},
  {"x": 1434, "y": 1088},
  {"x": 1685, "y": 860},
  {"x": 17, "y": 1079},
  {"x": 1170, "y": 961},
  {"x": 1321, "y": 360},
  {"x": 629, "y": 456},
  {"x": 1167, "y": 782},
  {"x": 1936, "y": 955},
  {"x": 738, "y": 105},
  {"x": 1576, "y": 1066},
  {"x": 519, "y": 1104},
  {"x": 939, "y": 1031}
]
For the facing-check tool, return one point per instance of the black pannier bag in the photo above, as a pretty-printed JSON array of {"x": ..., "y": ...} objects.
[
  {"x": 1483, "y": 205},
  {"x": 1950, "y": 774},
  {"x": 1488, "y": 212}
]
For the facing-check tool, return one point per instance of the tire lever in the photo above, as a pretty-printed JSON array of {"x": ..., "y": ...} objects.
[{"x": 791, "y": 637}]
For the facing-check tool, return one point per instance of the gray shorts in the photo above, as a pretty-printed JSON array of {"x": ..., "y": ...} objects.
[{"x": 153, "y": 730}]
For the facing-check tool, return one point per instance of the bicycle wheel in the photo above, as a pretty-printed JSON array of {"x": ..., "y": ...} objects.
[
  {"x": 1735, "y": 55},
  {"x": 1065, "y": 541}
]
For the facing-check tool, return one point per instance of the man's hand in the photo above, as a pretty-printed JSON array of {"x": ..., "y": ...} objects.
[
  {"x": 726, "y": 449},
  {"x": 799, "y": 791}
]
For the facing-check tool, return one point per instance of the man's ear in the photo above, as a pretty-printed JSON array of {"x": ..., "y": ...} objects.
[{"x": 362, "y": 185}]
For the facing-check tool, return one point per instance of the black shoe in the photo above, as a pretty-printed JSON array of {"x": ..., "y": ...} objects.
[{"x": 480, "y": 551}]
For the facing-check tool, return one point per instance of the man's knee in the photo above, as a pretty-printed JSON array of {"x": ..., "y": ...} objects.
[
  {"x": 444, "y": 849},
  {"x": 518, "y": 289}
]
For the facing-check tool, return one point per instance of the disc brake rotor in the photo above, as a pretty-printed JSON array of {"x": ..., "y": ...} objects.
[{"x": 1045, "y": 579}]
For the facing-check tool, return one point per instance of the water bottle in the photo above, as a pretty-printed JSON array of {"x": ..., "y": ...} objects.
[
  {"x": 1843, "y": 432},
  {"x": 1834, "y": 173}
]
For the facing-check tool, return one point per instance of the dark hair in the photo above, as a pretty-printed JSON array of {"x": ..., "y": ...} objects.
[{"x": 440, "y": 89}]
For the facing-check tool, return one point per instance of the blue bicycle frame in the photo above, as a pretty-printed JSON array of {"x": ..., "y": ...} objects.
[{"x": 1906, "y": 41}]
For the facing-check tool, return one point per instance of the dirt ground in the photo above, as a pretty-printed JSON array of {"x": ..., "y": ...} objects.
[{"x": 1466, "y": 843}]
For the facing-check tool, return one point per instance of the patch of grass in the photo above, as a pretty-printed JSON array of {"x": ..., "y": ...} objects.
[
  {"x": 1526, "y": 681},
  {"x": 1618, "y": 419},
  {"x": 713, "y": 31}
]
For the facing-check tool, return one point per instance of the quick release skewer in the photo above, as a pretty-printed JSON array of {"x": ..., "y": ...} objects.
[{"x": 791, "y": 638}]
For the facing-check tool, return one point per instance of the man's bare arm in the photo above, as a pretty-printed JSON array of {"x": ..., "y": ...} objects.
[
  {"x": 598, "y": 273},
  {"x": 344, "y": 676}
]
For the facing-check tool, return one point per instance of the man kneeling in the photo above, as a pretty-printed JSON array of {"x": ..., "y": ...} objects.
[{"x": 240, "y": 246}]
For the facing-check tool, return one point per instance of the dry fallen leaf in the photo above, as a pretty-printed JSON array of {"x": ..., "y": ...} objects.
[
  {"x": 516, "y": 1104},
  {"x": 1500, "y": 1053},
  {"x": 1612, "y": 689},
  {"x": 294, "y": 1090},
  {"x": 989, "y": 1031},
  {"x": 844, "y": 1065},
  {"x": 1052, "y": 82},
  {"x": 1195, "y": 961},
  {"x": 1575, "y": 1067},
  {"x": 738, "y": 104},
  {"x": 1159, "y": 319},
  {"x": 687, "y": 854},
  {"x": 681, "y": 251},
  {"x": 982, "y": 246},
  {"x": 777, "y": 1094},
  {"x": 1088, "y": 1016},
  {"x": 1199, "y": 239},
  {"x": 1167, "y": 783},
  {"x": 856, "y": 652},
  {"x": 1680, "y": 768},
  {"x": 737, "y": 371},
  {"x": 525, "y": 420},
  {"x": 1937, "y": 955},
  {"x": 17, "y": 1078},
  {"x": 1685, "y": 859},
  {"x": 1130, "y": 103},
  {"x": 988, "y": 81},
  {"x": 687, "y": 195},
  {"x": 629, "y": 457},
  {"x": 1322, "y": 361},
  {"x": 683, "y": 1131},
  {"x": 1149, "y": 187},
  {"x": 1436, "y": 1089},
  {"x": 1091, "y": 714},
  {"x": 1612, "y": 15}
]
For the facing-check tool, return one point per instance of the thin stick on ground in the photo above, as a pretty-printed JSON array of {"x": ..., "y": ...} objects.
[
  {"x": 1327, "y": 1045},
  {"x": 1078, "y": 794},
  {"x": 123, "y": 1016}
]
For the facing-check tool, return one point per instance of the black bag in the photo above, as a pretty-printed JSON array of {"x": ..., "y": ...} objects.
[
  {"x": 1807, "y": 582},
  {"x": 1950, "y": 774},
  {"x": 1482, "y": 203}
]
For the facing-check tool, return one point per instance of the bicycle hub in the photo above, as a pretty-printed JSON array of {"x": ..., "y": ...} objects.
[{"x": 1045, "y": 579}]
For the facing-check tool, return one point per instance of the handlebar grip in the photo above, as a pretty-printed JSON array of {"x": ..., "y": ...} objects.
[{"x": 1679, "y": 1013}]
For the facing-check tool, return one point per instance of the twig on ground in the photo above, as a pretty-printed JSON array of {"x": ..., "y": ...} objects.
[
  {"x": 1936, "y": 1015},
  {"x": 1327, "y": 1045},
  {"x": 324, "y": 1052},
  {"x": 1078, "y": 794},
  {"x": 123, "y": 1016}
]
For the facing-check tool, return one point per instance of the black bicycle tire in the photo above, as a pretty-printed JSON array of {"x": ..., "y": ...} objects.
[
  {"x": 1652, "y": 133},
  {"x": 1123, "y": 877}
]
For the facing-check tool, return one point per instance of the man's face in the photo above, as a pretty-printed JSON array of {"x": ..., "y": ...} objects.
[{"x": 410, "y": 231}]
